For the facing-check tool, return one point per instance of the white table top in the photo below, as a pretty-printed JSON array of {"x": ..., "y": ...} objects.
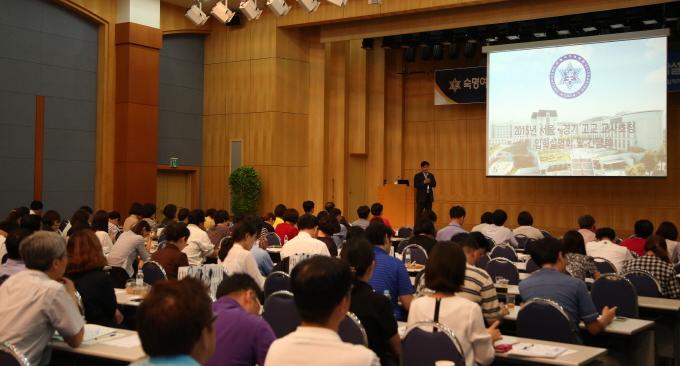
[
  {"x": 123, "y": 298},
  {"x": 103, "y": 349},
  {"x": 575, "y": 356},
  {"x": 624, "y": 326}
]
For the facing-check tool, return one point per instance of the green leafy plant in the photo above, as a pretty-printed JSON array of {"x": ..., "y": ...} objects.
[{"x": 245, "y": 187}]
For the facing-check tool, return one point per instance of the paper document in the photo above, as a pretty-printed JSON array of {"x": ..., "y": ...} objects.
[
  {"x": 536, "y": 350},
  {"x": 125, "y": 342}
]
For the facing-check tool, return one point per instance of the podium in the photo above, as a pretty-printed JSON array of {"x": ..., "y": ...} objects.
[{"x": 398, "y": 202}]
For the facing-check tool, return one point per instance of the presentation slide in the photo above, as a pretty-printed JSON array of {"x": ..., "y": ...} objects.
[{"x": 594, "y": 109}]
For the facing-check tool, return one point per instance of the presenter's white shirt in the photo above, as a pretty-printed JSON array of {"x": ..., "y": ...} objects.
[
  {"x": 609, "y": 251},
  {"x": 198, "y": 246},
  {"x": 303, "y": 243},
  {"x": 318, "y": 346}
]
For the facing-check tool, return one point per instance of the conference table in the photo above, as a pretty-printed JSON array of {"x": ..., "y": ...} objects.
[
  {"x": 120, "y": 348},
  {"x": 576, "y": 355}
]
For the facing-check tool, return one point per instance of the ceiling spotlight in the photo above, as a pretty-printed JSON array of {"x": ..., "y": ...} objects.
[
  {"x": 338, "y": 2},
  {"x": 512, "y": 37},
  {"x": 250, "y": 10},
  {"x": 196, "y": 14},
  {"x": 563, "y": 32},
  {"x": 616, "y": 26},
  {"x": 410, "y": 54},
  {"x": 278, "y": 7},
  {"x": 453, "y": 51},
  {"x": 309, "y": 5},
  {"x": 426, "y": 53},
  {"x": 222, "y": 13},
  {"x": 367, "y": 43},
  {"x": 540, "y": 34},
  {"x": 589, "y": 29},
  {"x": 470, "y": 48},
  {"x": 650, "y": 22},
  {"x": 437, "y": 52}
]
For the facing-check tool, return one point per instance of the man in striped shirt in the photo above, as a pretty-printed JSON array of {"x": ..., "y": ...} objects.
[{"x": 478, "y": 286}]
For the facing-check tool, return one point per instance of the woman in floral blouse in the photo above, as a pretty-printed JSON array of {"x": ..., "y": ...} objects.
[{"x": 579, "y": 265}]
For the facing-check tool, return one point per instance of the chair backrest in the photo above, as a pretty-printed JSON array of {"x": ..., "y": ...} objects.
[
  {"x": 546, "y": 320},
  {"x": 281, "y": 314},
  {"x": 418, "y": 253},
  {"x": 10, "y": 356},
  {"x": 119, "y": 276},
  {"x": 153, "y": 272},
  {"x": 645, "y": 284},
  {"x": 532, "y": 266},
  {"x": 546, "y": 234},
  {"x": 493, "y": 242},
  {"x": 273, "y": 239},
  {"x": 521, "y": 241},
  {"x": 276, "y": 281},
  {"x": 604, "y": 266},
  {"x": 351, "y": 330},
  {"x": 402, "y": 244},
  {"x": 224, "y": 240},
  {"x": 483, "y": 261},
  {"x": 404, "y": 232},
  {"x": 503, "y": 268},
  {"x": 504, "y": 251},
  {"x": 614, "y": 290},
  {"x": 422, "y": 347}
]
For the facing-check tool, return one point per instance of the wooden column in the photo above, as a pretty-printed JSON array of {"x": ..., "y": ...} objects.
[{"x": 137, "y": 84}]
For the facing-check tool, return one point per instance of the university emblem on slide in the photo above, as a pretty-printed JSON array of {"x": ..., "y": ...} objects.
[{"x": 570, "y": 76}]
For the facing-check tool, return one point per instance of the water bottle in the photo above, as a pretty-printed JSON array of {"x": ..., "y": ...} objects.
[
  {"x": 139, "y": 280},
  {"x": 407, "y": 257}
]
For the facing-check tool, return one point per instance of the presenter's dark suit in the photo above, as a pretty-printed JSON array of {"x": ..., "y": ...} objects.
[{"x": 424, "y": 192}]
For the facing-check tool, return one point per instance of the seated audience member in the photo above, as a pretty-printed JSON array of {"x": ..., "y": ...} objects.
[
  {"x": 478, "y": 285},
  {"x": 6, "y": 227},
  {"x": 268, "y": 220},
  {"x": 170, "y": 256},
  {"x": 376, "y": 211},
  {"x": 36, "y": 208},
  {"x": 485, "y": 220},
  {"x": 655, "y": 261},
  {"x": 329, "y": 225},
  {"x": 428, "y": 213},
  {"x": 149, "y": 215},
  {"x": 38, "y": 301},
  {"x": 79, "y": 220},
  {"x": 445, "y": 274},
  {"x": 355, "y": 232},
  {"x": 643, "y": 230},
  {"x": 485, "y": 245},
  {"x": 329, "y": 206},
  {"x": 308, "y": 207},
  {"x": 423, "y": 234},
  {"x": 304, "y": 244},
  {"x": 210, "y": 218},
  {"x": 51, "y": 221},
  {"x": 183, "y": 215},
  {"x": 321, "y": 286},
  {"x": 457, "y": 215},
  {"x": 85, "y": 268},
  {"x": 175, "y": 324},
  {"x": 238, "y": 258},
  {"x": 129, "y": 246},
  {"x": 242, "y": 337},
  {"x": 604, "y": 247},
  {"x": 579, "y": 264},
  {"x": 14, "y": 263},
  {"x": 279, "y": 210},
  {"x": 169, "y": 215},
  {"x": 499, "y": 233},
  {"x": 373, "y": 310},
  {"x": 341, "y": 235},
  {"x": 31, "y": 223},
  {"x": 362, "y": 212},
  {"x": 526, "y": 222},
  {"x": 259, "y": 252},
  {"x": 550, "y": 282},
  {"x": 221, "y": 229},
  {"x": 199, "y": 247},
  {"x": 390, "y": 276},
  {"x": 586, "y": 224},
  {"x": 287, "y": 230},
  {"x": 135, "y": 214},
  {"x": 114, "y": 225},
  {"x": 668, "y": 231},
  {"x": 100, "y": 225}
]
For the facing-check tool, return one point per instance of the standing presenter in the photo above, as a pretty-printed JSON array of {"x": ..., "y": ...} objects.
[{"x": 424, "y": 183}]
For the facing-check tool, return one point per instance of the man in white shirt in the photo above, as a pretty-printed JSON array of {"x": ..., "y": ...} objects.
[
  {"x": 321, "y": 286},
  {"x": 605, "y": 248},
  {"x": 38, "y": 301},
  {"x": 586, "y": 224},
  {"x": 499, "y": 233},
  {"x": 484, "y": 221},
  {"x": 525, "y": 222},
  {"x": 199, "y": 246},
  {"x": 304, "y": 244}
]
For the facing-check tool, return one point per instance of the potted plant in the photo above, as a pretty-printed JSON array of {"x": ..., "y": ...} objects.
[{"x": 245, "y": 187}]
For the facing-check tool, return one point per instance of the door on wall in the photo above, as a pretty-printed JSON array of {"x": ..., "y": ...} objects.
[{"x": 176, "y": 186}]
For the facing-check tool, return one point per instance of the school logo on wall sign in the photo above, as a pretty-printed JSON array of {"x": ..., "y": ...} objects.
[{"x": 570, "y": 76}]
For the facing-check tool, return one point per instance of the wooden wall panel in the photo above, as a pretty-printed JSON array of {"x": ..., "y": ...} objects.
[
  {"x": 376, "y": 119},
  {"x": 336, "y": 117},
  {"x": 394, "y": 115},
  {"x": 238, "y": 87},
  {"x": 357, "y": 129},
  {"x": 317, "y": 126}
]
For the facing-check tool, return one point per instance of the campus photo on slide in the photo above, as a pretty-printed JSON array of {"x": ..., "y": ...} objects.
[{"x": 594, "y": 109}]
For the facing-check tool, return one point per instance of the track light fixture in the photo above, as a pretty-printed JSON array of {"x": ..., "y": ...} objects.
[
  {"x": 338, "y": 2},
  {"x": 250, "y": 10},
  {"x": 196, "y": 14},
  {"x": 222, "y": 13},
  {"x": 278, "y": 7},
  {"x": 309, "y": 5}
]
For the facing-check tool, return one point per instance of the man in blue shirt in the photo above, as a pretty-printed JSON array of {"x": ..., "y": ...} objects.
[
  {"x": 175, "y": 324},
  {"x": 457, "y": 215},
  {"x": 550, "y": 282},
  {"x": 390, "y": 276}
]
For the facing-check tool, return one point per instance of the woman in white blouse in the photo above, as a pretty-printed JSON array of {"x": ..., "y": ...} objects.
[
  {"x": 238, "y": 257},
  {"x": 444, "y": 274},
  {"x": 100, "y": 224}
]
